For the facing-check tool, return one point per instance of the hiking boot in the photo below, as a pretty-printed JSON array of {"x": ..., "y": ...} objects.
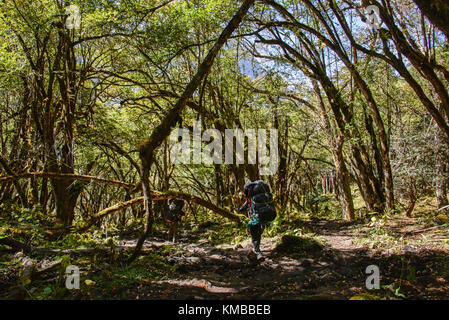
[{"x": 259, "y": 255}]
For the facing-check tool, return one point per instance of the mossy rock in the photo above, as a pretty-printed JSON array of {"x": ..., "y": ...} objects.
[
  {"x": 364, "y": 296},
  {"x": 206, "y": 225},
  {"x": 298, "y": 246}
]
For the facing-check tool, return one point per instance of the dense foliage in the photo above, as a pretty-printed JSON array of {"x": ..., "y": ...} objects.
[{"x": 362, "y": 114}]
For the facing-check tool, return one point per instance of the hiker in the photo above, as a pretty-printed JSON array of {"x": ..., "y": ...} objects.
[
  {"x": 172, "y": 215},
  {"x": 261, "y": 211}
]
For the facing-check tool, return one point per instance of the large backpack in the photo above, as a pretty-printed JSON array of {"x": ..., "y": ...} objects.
[
  {"x": 260, "y": 203},
  {"x": 175, "y": 204},
  {"x": 173, "y": 212}
]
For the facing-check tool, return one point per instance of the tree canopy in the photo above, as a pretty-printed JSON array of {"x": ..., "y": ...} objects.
[{"x": 92, "y": 90}]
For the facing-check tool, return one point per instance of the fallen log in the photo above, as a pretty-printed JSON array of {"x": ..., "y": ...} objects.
[
  {"x": 198, "y": 283},
  {"x": 17, "y": 244},
  {"x": 158, "y": 196}
]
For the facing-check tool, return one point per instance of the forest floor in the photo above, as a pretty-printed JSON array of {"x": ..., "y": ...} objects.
[
  {"x": 332, "y": 267},
  {"x": 328, "y": 261}
]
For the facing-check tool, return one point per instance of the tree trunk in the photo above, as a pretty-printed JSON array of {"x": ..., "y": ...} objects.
[
  {"x": 438, "y": 13},
  {"x": 441, "y": 159},
  {"x": 343, "y": 181},
  {"x": 162, "y": 131}
]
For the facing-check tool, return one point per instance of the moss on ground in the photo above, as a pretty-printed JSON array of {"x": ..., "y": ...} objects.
[{"x": 298, "y": 246}]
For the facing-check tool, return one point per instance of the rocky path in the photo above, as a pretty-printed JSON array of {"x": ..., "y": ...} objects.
[{"x": 335, "y": 271}]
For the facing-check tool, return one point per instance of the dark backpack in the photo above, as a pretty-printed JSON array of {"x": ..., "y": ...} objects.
[
  {"x": 173, "y": 211},
  {"x": 175, "y": 204},
  {"x": 260, "y": 201}
]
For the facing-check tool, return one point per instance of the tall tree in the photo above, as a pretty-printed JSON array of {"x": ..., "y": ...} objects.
[{"x": 162, "y": 131}]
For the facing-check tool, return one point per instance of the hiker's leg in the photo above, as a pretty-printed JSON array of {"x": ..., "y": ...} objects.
[
  {"x": 170, "y": 232},
  {"x": 175, "y": 232},
  {"x": 256, "y": 234}
]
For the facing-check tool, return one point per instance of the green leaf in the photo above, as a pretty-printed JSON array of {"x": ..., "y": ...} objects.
[
  {"x": 398, "y": 293},
  {"x": 89, "y": 282},
  {"x": 65, "y": 261}
]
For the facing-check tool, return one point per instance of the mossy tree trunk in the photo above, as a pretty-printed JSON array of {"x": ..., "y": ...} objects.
[{"x": 162, "y": 131}]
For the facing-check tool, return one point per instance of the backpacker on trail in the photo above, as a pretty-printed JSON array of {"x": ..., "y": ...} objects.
[
  {"x": 259, "y": 203},
  {"x": 172, "y": 215},
  {"x": 259, "y": 200}
]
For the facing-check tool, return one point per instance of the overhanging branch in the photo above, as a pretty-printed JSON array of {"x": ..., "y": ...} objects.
[
  {"x": 61, "y": 176},
  {"x": 158, "y": 196}
]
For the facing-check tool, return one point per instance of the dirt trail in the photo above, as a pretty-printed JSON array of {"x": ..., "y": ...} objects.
[{"x": 336, "y": 272}]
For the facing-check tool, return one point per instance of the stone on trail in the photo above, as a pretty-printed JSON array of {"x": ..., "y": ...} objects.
[
  {"x": 364, "y": 296},
  {"x": 298, "y": 246}
]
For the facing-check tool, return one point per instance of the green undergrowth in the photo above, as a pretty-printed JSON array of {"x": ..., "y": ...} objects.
[
  {"x": 378, "y": 234},
  {"x": 101, "y": 276},
  {"x": 117, "y": 280},
  {"x": 23, "y": 224},
  {"x": 31, "y": 226},
  {"x": 219, "y": 233},
  {"x": 230, "y": 233}
]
